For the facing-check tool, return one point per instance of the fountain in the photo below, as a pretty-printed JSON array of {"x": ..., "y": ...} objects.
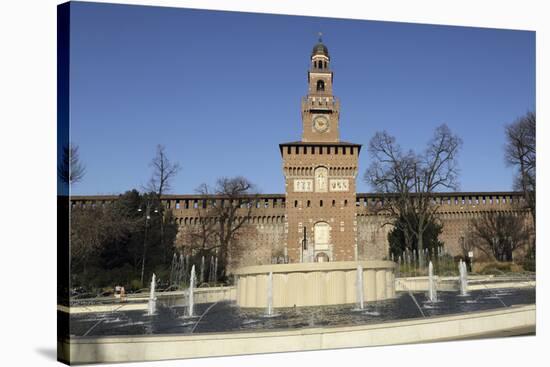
[
  {"x": 202, "y": 271},
  {"x": 190, "y": 294},
  {"x": 181, "y": 272},
  {"x": 359, "y": 288},
  {"x": 216, "y": 269},
  {"x": 211, "y": 270},
  {"x": 432, "y": 291},
  {"x": 463, "y": 278},
  {"x": 173, "y": 269},
  {"x": 270, "y": 294},
  {"x": 152, "y": 299},
  {"x": 315, "y": 284}
]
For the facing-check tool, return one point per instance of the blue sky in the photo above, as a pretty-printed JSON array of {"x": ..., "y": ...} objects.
[{"x": 221, "y": 90}]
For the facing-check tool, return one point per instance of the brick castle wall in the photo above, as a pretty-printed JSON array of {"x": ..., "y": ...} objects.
[{"x": 265, "y": 235}]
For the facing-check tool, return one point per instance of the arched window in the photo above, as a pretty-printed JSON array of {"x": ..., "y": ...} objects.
[
  {"x": 321, "y": 233},
  {"x": 321, "y": 178},
  {"x": 320, "y": 86}
]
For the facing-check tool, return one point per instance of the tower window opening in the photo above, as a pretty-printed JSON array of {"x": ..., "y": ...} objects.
[
  {"x": 321, "y": 203},
  {"x": 325, "y": 64},
  {"x": 308, "y": 203},
  {"x": 320, "y": 86},
  {"x": 345, "y": 203},
  {"x": 333, "y": 203},
  {"x": 314, "y": 64},
  {"x": 295, "y": 203}
]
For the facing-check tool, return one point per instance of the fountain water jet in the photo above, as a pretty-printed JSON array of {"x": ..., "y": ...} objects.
[
  {"x": 152, "y": 307},
  {"x": 359, "y": 288},
  {"x": 270, "y": 294},
  {"x": 463, "y": 271},
  {"x": 190, "y": 293},
  {"x": 202, "y": 271},
  {"x": 432, "y": 291},
  {"x": 216, "y": 269},
  {"x": 211, "y": 274}
]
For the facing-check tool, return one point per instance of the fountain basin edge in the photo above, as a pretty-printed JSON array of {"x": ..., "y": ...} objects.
[{"x": 500, "y": 322}]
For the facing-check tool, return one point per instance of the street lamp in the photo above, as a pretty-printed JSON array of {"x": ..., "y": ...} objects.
[
  {"x": 147, "y": 218},
  {"x": 304, "y": 245}
]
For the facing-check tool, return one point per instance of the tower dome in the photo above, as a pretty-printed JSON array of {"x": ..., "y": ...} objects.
[{"x": 320, "y": 49}]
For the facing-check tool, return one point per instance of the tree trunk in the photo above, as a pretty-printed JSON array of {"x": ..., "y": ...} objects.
[
  {"x": 420, "y": 242},
  {"x": 144, "y": 255}
]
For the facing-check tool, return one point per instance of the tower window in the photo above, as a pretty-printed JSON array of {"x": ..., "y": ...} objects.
[
  {"x": 308, "y": 203},
  {"x": 295, "y": 203},
  {"x": 325, "y": 64},
  {"x": 320, "y": 86},
  {"x": 321, "y": 203},
  {"x": 314, "y": 64},
  {"x": 333, "y": 203}
]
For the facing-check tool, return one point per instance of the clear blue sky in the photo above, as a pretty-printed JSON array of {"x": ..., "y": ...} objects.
[{"x": 221, "y": 90}]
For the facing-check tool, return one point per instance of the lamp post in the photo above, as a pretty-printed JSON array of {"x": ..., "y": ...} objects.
[
  {"x": 147, "y": 218},
  {"x": 304, "y": 245}
]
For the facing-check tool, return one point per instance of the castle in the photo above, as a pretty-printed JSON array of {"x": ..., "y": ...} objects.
[{"x": 321, "y": 217}]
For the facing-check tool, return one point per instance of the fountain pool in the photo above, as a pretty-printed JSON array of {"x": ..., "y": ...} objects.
[{"x": 228, "y": 317}]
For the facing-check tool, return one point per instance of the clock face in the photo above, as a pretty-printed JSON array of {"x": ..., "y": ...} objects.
[{"x": 320, "y": 123}]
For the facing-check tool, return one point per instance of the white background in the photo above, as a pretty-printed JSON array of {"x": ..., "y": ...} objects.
[{"x": 28, "y": 191}]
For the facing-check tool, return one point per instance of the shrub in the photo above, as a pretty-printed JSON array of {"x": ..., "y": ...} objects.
[
  {"x": 497, "y": 268},
  {"x": 135, "y": 284},
  {"x": 530, "y": 264}
]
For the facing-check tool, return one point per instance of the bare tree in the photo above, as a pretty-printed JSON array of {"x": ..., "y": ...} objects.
[
  {"x": 221, "y": 220},
  {"x": 407, "y": 181},
  {"x": 164, "y": 172},
  {"x": 498, "y": 235},
  {"x": 70, "y": 169},
  {"x": 203, "y": 236},
  {"x": 520, "y": 153}
]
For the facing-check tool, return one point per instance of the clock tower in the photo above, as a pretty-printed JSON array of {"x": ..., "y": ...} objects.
[
  {"x": 320, "y": 109},
  {"x": 320, "y": 172}
]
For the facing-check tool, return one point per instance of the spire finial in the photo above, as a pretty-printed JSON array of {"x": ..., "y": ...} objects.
[{"x": 320, "y": 37}]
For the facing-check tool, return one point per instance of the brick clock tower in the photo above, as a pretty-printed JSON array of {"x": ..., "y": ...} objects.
[{"x": 320, "y": 172}]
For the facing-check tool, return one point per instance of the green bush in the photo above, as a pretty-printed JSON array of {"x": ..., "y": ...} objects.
[
  {"x": 496, "y": 268},
  {"x": 135, "y": 284},
  {"x": 530, "y": 264}
]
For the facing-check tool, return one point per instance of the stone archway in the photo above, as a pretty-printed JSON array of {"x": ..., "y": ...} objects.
[{"x": 322, "y": 257}]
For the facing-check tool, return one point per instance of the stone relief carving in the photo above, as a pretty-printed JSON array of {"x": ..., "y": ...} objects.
[
  {"x": 303, "y": 185},
  {"x": 340, "y": 184}
]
